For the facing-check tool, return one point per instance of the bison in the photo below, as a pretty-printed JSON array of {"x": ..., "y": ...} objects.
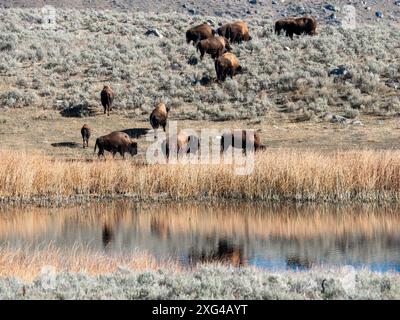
[
  {"x": 159, "y": 116},
  {"x": 201, "y": 32},
  {"x": 236, "y": 32},
  {"x": 185, "y": 144},
  {"x": 304, "y": 25},
  {"x": 237, "y": 139},
  {"x": 213, "y": 46},
  {"x": 107, "y": 98},
  {"x": 85, "y": 132},
  {"x": 116, "y": 142},
  {"x": 227, "y": 65}
]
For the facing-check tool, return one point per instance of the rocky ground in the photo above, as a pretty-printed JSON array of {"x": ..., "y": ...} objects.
[{"x": 330, "y": 12}]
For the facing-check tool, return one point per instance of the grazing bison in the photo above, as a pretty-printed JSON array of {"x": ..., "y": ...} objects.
[
  {"x": 236, "y": 32},
  {"x": 201, "y": 32},
  {"x": 116, "y": 142},
  {"x": 237, "y": 139},
  {"x": 85, "y": 132},
  {"x": 107, "y": 98},
  {"x": 213, "y": 46},
  {"x": 227, "y": 65},
  {"x": 304, "y": 25},
  {"x": 185, "y": 144},
  {"x": 159, "y": 116}
]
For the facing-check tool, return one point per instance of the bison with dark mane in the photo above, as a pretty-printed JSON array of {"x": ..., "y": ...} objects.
[
  {"x": 213, "y": 46},
  {"x": 227, "y": 65},
  {"x": 107, "y": 98},
  {"x": 201, "y": 32},
  {"x": 236, "y": 32},
  {"x": 304, "y": 25},
  {"x": 116, "y": 142},
  {"x": 85, "y": 132},
  {"x": 247, "y": 140}
]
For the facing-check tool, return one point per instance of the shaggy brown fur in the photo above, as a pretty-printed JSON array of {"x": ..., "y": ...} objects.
[
  {"x": 159, "y": 116},
  {"x": 85, "y": 132},
  {"x": 201, "y": 32},
  {"x": 237, "y": 139},
  {"x": 304, "y": 25},
  {"x": 227, "y": 65},
  {"x": 116, "y": 142},
  {"x": 107, "y": 98},
  {"x": 236, "y": 32},
  {"x": 213, "y": 46}
]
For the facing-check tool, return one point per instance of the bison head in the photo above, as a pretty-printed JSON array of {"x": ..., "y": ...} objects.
[{"x": 133, "y": 148}]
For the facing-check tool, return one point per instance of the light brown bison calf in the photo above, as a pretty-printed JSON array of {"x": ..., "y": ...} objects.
[
  {"x": 85, "y": 132},
  {"x": 185, "y": 144},
  {"x": 304, "y": 25},
  {"x": 227, "y": 65},
  {"x": 237, "y": 31},
  {"x": 201, "y": 32},
  {"x": 116, "y": 142},
  {"x": 107, "y": 98},
  {"x": 238, "y": 139},
  {"x": 213, "y": 46},
  {"x": 159, "y": 116}
]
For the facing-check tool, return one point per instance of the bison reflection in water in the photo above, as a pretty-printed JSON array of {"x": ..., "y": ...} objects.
[
  {"x": 294, "y": 262},
  {"x": 224, "y": 253},
  {"x": 107, "y": 236},
  {"x": 160, "y": 228}
]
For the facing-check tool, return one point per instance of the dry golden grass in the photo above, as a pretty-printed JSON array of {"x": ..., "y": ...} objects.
[
  {"x": 280, "y": 174},
  {"x": 28, "y": 264}
]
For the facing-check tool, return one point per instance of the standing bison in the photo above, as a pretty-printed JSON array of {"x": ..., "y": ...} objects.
[
  {"x": 85, "y": 132},
  {"x": 236, "y": 31},
  {"x": 197, "y": 33},
  {"x": 227, "y": 65},
  {"x": 237, "y": 139},
  {"x": 107, "y": 98},
  {"x": 304, "y": 25},
  {"x": 213, "y": 46},
  {"x": 159, "y": 116},
  {"x": 183, "y": 144},
  {"x": 116, "y": 142}
]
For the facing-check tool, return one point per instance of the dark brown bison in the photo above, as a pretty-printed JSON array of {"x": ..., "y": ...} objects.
[
  {"x": 201, "y": 32},
  {"x": 185, "y": 144},
  {"x": 236, "y": 32},
  {"x": 107, "y": 98},
  {"x": 116, "y": 142},
  {"x": 85, "y": 132},
  {"x": 227, "y": 65},
  {"x": 304, "y": 25},
  {"x": 159, "y": 116},
  {"x": 213, "y": 46},
  {"x": 237, "y": 139}
]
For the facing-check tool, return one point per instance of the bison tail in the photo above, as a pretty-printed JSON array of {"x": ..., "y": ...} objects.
[{"x": 95, "y": 145}]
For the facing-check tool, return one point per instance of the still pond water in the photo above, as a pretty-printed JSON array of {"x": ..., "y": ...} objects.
[{"x": 267, "y": 236}]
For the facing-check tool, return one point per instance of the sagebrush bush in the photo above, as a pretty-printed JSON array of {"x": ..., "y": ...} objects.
[{"x": 90, "y": 48}]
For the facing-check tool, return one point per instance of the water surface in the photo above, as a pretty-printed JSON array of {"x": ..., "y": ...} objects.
[{"x": 268, "y": 236}]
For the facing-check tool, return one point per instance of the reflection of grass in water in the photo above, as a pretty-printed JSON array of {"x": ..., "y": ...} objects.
[
  {"x": 255, "y": 220},
  {"x": 27, "y": 263},
  {"x": 278, "y": 175}
]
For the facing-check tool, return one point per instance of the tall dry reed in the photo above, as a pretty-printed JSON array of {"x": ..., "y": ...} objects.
[{"x": 281, "y": 174}]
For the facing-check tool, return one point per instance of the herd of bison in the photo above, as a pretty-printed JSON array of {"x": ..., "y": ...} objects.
[{"x": 226, "y": 64}]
